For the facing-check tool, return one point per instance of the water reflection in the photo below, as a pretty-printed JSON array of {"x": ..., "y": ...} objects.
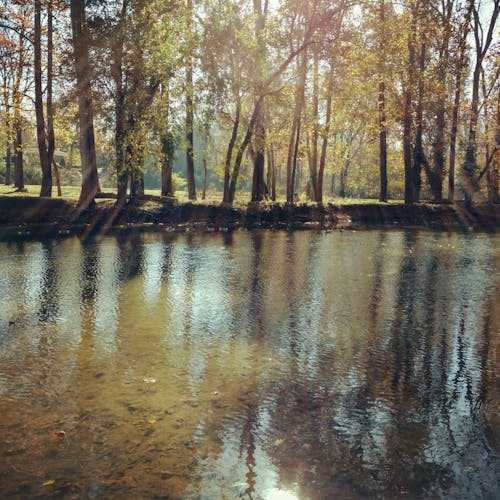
[{"x": 251, "y": 364}]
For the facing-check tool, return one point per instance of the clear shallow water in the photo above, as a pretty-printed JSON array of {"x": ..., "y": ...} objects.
[{"x": 252, "y": 365}]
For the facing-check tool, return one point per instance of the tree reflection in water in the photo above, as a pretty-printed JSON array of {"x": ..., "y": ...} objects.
[{"x": 264, "y": 364}]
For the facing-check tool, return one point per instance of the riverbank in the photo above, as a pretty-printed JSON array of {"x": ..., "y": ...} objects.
[{"x": 49, "y": 217}]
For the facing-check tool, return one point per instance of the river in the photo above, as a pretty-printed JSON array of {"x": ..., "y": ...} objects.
[{"x": 262, "y": 364}]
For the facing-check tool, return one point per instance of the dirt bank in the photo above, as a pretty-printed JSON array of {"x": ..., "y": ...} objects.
[{"x": 48, "y": 217}]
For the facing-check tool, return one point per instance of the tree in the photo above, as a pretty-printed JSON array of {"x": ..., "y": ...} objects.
[
  {"x": 382, "y": 119},
  {"x": 45, "y": 161},
  {"x": 482, "y": 41},
  {"x": 190, "y": 105},
  {"x": 81, "y": 38}
]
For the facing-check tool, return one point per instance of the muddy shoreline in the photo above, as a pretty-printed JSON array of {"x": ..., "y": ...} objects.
[{"x": 30, "y": 217}]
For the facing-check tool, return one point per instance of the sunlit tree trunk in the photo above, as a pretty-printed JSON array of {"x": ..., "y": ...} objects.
[{"x": 90, "y": 179}]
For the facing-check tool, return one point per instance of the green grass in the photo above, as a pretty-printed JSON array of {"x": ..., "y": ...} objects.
[{"x": 72, "y": 193}]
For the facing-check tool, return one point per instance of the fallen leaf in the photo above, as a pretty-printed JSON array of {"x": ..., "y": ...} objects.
[
  {"x": 152, "y": 421},
  {"x": 50, "y": 482}
]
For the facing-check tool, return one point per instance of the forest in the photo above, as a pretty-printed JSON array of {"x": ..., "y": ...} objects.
[{"x": 279, "y": 100}]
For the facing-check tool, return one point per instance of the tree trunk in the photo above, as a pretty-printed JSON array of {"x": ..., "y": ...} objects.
[
  {"x": 295, "y": 132},
  {"x": 51, "y": 142},
  {"x": 241, "y": 150},
  {"x": 168, "y": 152},
  {"x": 419, "y": 159},
  {"x": 459, "y": 71},
  {"x": 326, "y": 131},
  {"x": 46, "y": 189},
  {"x": 482, "y": 43},
  {"x": 90, "y": 179},
  {"x": 204, "y": 182},
  {"x": 381, "y": 111},
  {"x": 190, "y": 113},
  {"x": 493, "y": 195},
  {"x": 8, "y": 164},
  {"x": 313, "y": 165},
  {"x": 259, "y": 188},
  {"x": 407, "y": 116},
  {"x": 58, "y": 178},
  {"x": 229, "y": 154},
  {"x": 8, "y": 138},
  {"x": 18, "y": 151},
  {"x": 271, "y": 172},
  {"x": 293, "y": 181}
]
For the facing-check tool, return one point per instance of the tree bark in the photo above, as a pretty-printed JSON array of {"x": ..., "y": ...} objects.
[
  {"x": 168, "y": 151},
  {"x": 291, "y": 162},
  {"x": 241, "y": 150},
  {"x": 313, "y": 165},
  {"x": 204, "y": 181},
  {"x": 90, "y": 179},
  {"x": 381, "y": 110},
  {"x": 46, "y": 188},
  {"x": 191, "y": 185},
  {"x": 229, "y": 154},
  {"x": 419, "y": 158},
  {"x": 326, "y": 131},
  {"x": 259, "y": 188},
  {"x": 51, "y": 142},
  {"x": 407, "y": 116}
]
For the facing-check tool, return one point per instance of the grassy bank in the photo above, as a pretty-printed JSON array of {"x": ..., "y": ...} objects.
[{"x": 25, "y": 215}]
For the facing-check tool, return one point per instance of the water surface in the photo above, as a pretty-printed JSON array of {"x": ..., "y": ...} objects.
[{"x": 253, "y": 365}]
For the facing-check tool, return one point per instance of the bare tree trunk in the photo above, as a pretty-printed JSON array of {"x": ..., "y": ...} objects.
[
  {"x": 419, "y": 159},
  {"x": 295, "y": 132},
  {"x": 230, "y": 148},
  {"x": 259, "y": 188},
  {"x": 18, "y": 151},
  {"x": 58, "y": 177},
  {"x": 326, "y": 131},
  {"x": 51, "y": 142},
  {"x": 271, "y": 172},
  {"x": 190, "y": 113},
  {"x": 407, "y": 116},
  {"x": 459, "y": 71},
  {"x": 46, "y": 189},
  {"x": 381, "y": 112},
  {"x": 168, "y": 152},
  {"x": 8, "y": 138},
  {"x": 241, "y": 150},
  {"x": 493, "y": 195},
  {"x": 204, "y": 182},
  {"x": 313, "y": 166},
  {"x": 90, "y": 179}
]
